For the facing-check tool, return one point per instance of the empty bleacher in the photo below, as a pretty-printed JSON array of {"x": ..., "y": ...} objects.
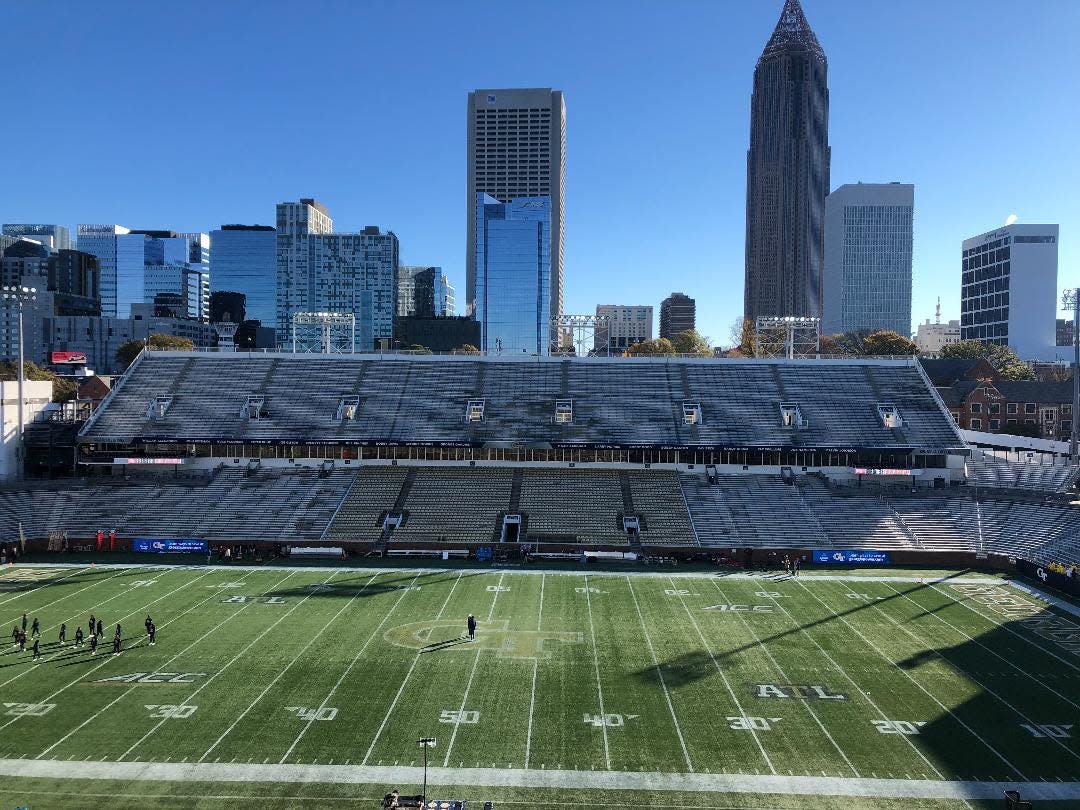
[
  {"x": 616, "y": 401},
  {"x": 987, "y": 470}
]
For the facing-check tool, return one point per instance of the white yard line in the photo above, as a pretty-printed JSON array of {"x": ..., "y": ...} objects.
[
  {"x": 596, "y": 666},
  {"x": 991, "y": 650},
  {"x": 660, "y": 675},
  {"x": 405, "y": 680},
  {"x": 911, "y": 678},
  {"x": 536, "y": 669},
  {"x": 131, "y": 689},
  {"x": 472, "y": 673},
  {"x": 723, "y": 677},
  {"x": 991, "y": 692},
  {"x": 51, "y": 581},
  {"x": 806, "y": 704},
  {"x": 186, "y": 701},
  {"x": 1006, "y": 626},
  {"x": 284, "y": 669},
  {"x": 386, "y": 617},
  {"x": 123, "y": 619},
  {"x": 843, "y": 672},
  {"x": 550, "y": 779},
  {"x": 78, "y": 616}
]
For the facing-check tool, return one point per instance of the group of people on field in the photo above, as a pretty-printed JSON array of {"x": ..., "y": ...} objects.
[{"x": 95, "y": 626}]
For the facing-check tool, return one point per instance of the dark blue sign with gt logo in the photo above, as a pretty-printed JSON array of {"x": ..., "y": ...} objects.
[
  {"x": 851, "y": 557},
  {"x": 170, "y": 546}
]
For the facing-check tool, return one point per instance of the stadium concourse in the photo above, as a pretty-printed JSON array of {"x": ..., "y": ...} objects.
[{"x": 423, "y": 455}]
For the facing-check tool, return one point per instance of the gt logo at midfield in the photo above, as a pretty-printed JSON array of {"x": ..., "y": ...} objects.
[
  {"x": 796, "y": 691},
  {"x": 444, "y": 635}
]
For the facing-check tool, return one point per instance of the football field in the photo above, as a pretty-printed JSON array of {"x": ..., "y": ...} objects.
[{"x": 277, "y": 687}]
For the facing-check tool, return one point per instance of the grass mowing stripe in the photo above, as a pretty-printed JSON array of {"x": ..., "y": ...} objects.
[
  {"x": 74, "y": 616},
  {"x": 472, "y": 673},
  {"x": 723, "y": 676},
  {"x": 596, "y": 666},
  {"x": 660, "y": 675},
  {"x": 112, "y": 703},
  {"x": 1028, "y": 640},
  {"x": 536, "y": 668},
  {"x": 844, "y": 672},
  {"x": 908, "y": 675},
  {"x": 405, "y": 680},
  {"x": 348, "y": 669},
  {"x": 993, "y": 652},
  {"x": 284, "y": 669},
  {"x": 45, "y": 582},
  {"x": 784, "y": 675},
  {"x": 105, "y": 660},
  {"x": 232, "y": 661},
  {"x": 922, "y": 642}
]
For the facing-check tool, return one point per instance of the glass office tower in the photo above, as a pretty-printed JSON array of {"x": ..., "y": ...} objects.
[
  {"x": 244, "y": 260},
  {"x": 513, "y": 274}
]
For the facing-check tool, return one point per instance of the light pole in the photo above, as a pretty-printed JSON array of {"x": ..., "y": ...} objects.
[
  {"x": 425, "y": 743},
  {"x": 1070, "y": 299},
  {"x": 17, "y": 296}
]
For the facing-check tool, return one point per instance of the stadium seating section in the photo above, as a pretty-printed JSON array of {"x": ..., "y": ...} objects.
[
  {"x": 1014, "y": 508},
  {"x": 618, "y": 402}
]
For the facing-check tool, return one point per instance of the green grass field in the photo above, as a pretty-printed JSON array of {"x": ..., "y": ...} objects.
[{"x": 273, "y": 687}]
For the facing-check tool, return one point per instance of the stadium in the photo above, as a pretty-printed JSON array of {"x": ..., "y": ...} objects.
[{"x": 310, "y": 533}]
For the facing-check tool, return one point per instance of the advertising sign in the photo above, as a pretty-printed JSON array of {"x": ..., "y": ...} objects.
[
  {"x": 851, "y": 557},
  {"x": 883, "y": 471},
  {"x": 155, "y": 546},
  {"x": 169, "y": 461},
  {"x": 68, "y": 357}
]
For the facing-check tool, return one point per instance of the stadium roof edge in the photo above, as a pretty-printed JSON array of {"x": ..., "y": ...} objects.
[{"x": 509, "y": 358}]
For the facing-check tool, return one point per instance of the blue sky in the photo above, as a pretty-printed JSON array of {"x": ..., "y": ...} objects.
[{"x": 187, "y": 115}]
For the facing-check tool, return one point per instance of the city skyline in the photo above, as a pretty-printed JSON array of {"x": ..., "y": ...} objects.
[{"x": 929, "y": 121}]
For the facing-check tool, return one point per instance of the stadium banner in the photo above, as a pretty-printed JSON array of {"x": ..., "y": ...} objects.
[
  {"x": 147, "y": 461},
  {"x": 156, "y": 546},
  {"x": 1053, "y": 579},
  {"x": 884, "y": 471},
  {"x": 552, "y": 445},
  {"x": 851, "y": 557}
]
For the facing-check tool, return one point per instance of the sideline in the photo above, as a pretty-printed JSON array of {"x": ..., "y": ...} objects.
[
  {"x": 723, "y": 574},
  {"x": 519, "y": 777},
  {"x": 1043, "y": 596}
]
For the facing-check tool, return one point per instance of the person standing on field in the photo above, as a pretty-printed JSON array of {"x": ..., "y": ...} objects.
[{"x": 471, "y": 623}]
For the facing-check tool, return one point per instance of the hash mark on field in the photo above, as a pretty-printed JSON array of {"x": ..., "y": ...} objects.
[
  {"x": 596, "y": 667},
  {"x": 663, "y": 683},
  {"x": 472, "y": 673},
  {"x": 405, "y": 680},
  {"x": 285, "y": 669},
  {"x": 723, "y": 677}
]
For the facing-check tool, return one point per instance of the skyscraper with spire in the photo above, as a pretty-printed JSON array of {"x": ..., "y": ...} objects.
[{"x": 787, "y": 172}]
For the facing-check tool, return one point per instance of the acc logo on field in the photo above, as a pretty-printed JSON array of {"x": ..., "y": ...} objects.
[
  {"x": 153, "y": 677},
  {"x": 444, "y": 634}
]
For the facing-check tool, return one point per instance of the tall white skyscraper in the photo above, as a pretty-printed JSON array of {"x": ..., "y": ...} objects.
[
  {"x": 517, "y": 149},
  {"x": 322, "y": 271},
  {"x": 868, "y": 244},
  {"x": 1008, "y": 289}
]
